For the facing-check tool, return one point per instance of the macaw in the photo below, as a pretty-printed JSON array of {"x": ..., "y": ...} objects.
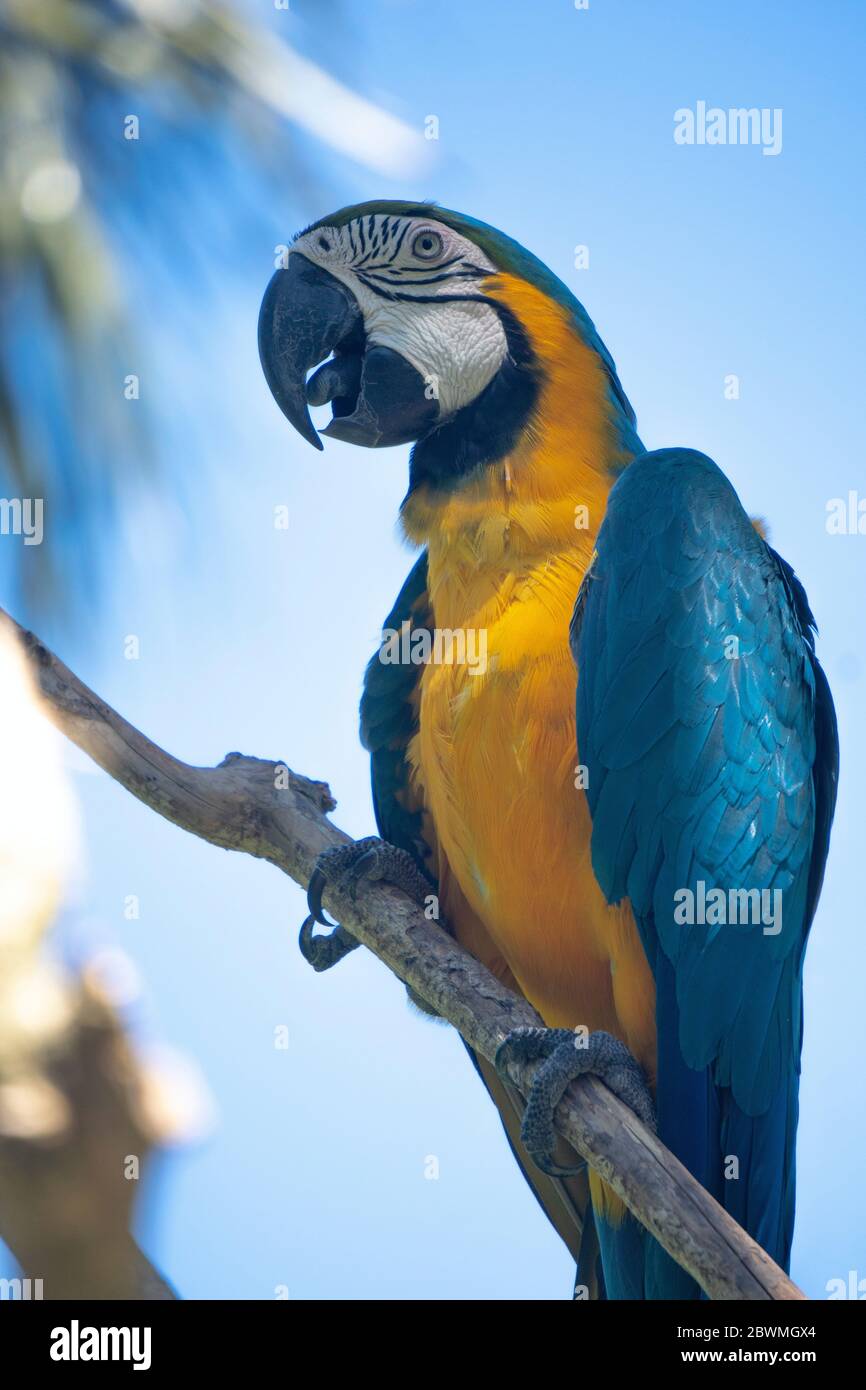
[{"x": 625, "y": 808}]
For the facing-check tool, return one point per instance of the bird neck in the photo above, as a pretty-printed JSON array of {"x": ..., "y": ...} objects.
[{"x": 546, "y": 496}]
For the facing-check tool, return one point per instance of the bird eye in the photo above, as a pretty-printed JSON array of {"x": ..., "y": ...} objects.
[
  {"x": 324, "y": 243},
  {"x": 427, "y": 246}
]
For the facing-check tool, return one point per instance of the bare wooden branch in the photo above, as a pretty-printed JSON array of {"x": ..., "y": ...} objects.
[{"x": 264, "y": 809}]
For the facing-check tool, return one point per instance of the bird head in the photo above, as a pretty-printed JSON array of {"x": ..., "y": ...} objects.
[{"x": 412, "y": 317}]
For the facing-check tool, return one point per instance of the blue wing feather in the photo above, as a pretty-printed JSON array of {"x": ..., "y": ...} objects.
[
  {"x": 389, "y": 719},
  {"x": 708, "y": 732}
]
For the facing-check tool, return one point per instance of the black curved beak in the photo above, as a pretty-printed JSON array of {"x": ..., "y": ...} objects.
[
  {"x": 304, "y": 315},
  {"x": 377, "y": 397}
]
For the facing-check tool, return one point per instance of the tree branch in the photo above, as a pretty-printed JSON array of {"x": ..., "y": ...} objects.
[{"x": 266, "y": 810}]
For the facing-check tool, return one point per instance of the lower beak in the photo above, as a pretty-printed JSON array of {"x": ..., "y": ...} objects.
[{"x": 377, "y": 397}]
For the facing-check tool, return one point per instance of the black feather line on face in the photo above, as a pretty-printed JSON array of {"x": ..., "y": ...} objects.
[
  {"x": 400, "y": 239},
  {"x": 369, "y": 274},
  {"x": 431, "y": 265}
]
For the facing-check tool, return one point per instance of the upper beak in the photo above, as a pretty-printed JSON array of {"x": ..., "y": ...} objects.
[
  {"x": 378, "y": 398},
  {"x": 304, "y": 315}
]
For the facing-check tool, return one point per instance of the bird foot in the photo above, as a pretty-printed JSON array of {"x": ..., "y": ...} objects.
[
  {"x": 344, "y": 867},
  {"x": 565, "y": 1055}
]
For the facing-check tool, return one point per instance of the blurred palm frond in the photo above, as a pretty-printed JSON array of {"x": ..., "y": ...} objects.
[{"x": 95, "y": 208}]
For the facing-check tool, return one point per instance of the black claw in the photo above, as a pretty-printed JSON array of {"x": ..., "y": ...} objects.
[{"x": 318, "y": 884}]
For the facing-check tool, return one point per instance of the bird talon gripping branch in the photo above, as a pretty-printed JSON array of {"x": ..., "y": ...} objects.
[
  {"x": 566, "y": 1055},
  {"x": 345, "y": 867}
]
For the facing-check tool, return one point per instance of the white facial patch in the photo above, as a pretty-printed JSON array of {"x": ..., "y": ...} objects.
[{"x": 406, "y": 274}]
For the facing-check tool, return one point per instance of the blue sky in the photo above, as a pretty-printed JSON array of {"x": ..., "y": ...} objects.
[{"x": 557, "y": 126}]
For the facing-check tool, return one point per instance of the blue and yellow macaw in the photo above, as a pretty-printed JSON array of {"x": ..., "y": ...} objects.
[{"x": 624, "y": 799}]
